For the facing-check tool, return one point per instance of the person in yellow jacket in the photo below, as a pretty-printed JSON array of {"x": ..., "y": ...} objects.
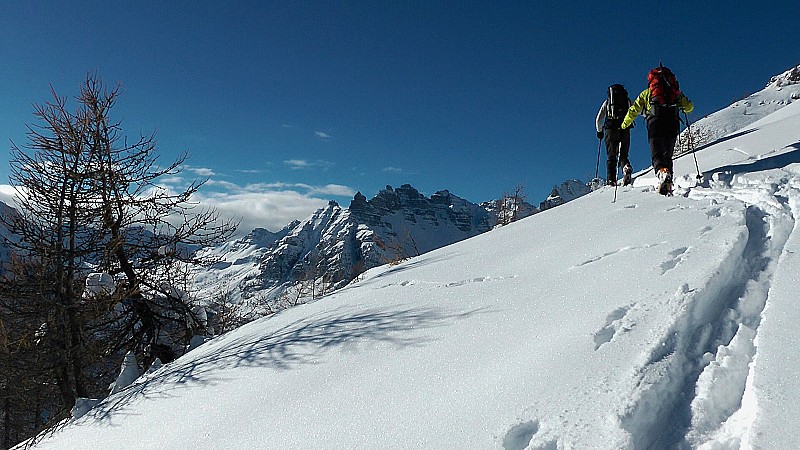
[{"x": 660, "y": 103}]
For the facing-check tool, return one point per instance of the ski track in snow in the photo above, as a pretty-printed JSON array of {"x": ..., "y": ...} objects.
[
  {"x": 684, "y": 395},
  {"x": 694, "y": 380},
  {"x": 449, "y": 285}
]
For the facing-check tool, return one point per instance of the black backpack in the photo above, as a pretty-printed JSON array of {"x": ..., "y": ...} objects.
[{"x": 618, "y": 103}]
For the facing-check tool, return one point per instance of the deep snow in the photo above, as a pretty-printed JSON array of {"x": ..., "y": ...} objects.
[{"x": 648, "y": 322}]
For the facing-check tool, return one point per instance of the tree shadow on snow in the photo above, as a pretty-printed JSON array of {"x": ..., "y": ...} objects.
[{"x": 302, "y": 342}]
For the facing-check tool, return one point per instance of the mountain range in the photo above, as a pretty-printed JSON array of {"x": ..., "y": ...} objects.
[
  {"x": 334, "y": 245},
  {"x": 554, "y": 331}
]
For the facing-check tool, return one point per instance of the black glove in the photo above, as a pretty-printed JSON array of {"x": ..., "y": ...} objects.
[{"x": 599, "y": 135}]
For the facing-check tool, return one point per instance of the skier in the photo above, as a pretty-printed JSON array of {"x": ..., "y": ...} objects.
[
  {"x": 660, "y": 103},
  {"x": 618, "y": 140}
]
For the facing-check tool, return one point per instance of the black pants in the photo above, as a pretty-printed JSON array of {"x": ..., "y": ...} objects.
[
  {"x": 662, "y": 132},
  {"x": 618, "y": 144},
  {"x": 661, "y": 150}
]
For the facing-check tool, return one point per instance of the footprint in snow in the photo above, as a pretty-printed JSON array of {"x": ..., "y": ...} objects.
[
  {"x": 612, "y": 327},
  {"x": 463, "y": 282},
  {"x": 677, "y": 207},
  {"x": 520, "y": 435},
  {"x": 476, "y": 280},
  {"x": 677, "y": 257},
  {"x": 611, "y": 253}
]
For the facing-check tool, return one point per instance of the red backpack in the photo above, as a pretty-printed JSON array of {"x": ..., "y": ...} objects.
[{"x": 664, "y": 89}]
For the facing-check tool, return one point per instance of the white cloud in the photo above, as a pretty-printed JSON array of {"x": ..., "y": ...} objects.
[
  {"x": 328, "y": 189},
  {"x": 298, "y": 164},
  {"x": 175, "y": 180},
  {"x": 254, "y": 171},
  {"x": 333, "y": 189},
  {"x": 200, "y": 171},
  {"x": 222, "y": 184},
  {"x": 272, "y": 210},
  {"x": 268, "y": 205},
  {"x": 322, "y": 135},
  {"x": 257, "y": 187},
  {"x": 392, "y": 169}
]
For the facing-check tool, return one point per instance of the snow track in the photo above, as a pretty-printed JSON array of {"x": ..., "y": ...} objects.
[{"x": 695, "y": 379}]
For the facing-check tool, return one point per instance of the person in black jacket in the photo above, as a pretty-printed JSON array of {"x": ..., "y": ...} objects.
[{"x": 618, "y": 140}]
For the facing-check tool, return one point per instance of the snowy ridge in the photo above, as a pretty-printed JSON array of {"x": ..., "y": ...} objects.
[
  {"x": 781, "y": 90},
  {"x": 662, "y": 322},
  {"x": 238, "y": 261},
  {"x": 568, "y": 190}
]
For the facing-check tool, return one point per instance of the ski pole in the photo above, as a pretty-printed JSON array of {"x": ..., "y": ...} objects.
[
  {"x": 597, "y": 168},
  {"x": 691, "y": 147}
]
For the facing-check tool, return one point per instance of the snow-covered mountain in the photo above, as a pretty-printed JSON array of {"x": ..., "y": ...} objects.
[
  {"x": 662, "y": 322},
  {"x": 336, "y": 244},
  {"x": 781, "y": 90},
  {"x": 568, "y": 190}
]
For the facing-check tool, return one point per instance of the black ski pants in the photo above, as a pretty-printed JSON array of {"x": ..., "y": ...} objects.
[
  {"x": 662, "y": 132},
  {"x": 618, "y": 145}
]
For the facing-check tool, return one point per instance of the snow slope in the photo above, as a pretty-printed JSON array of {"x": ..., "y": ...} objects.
[
  {"x": 781, "y": 90},
  {"x": 645, "y": 322}
]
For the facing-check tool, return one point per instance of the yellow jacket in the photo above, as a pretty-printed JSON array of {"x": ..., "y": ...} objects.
[{"x": 642, "y": 102}]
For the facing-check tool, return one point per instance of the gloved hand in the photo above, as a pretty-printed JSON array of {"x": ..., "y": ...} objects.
[{"x": 599, "y": 135}]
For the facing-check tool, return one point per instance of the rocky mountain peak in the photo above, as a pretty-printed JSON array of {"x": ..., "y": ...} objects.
[
  {"x": 334, "y": 245},
  {"x": 790, "y": 77}
]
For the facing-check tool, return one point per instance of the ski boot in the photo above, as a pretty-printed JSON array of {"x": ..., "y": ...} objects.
[
  {"x": 627, "y": 171},
  {"x": 664, "y": 181}
]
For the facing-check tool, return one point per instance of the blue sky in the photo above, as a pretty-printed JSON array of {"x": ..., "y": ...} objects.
[{"x": 285, "y": 105}]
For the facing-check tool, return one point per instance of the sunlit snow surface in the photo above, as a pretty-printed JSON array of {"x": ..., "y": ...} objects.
[{"x": 645, "y": 322}]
